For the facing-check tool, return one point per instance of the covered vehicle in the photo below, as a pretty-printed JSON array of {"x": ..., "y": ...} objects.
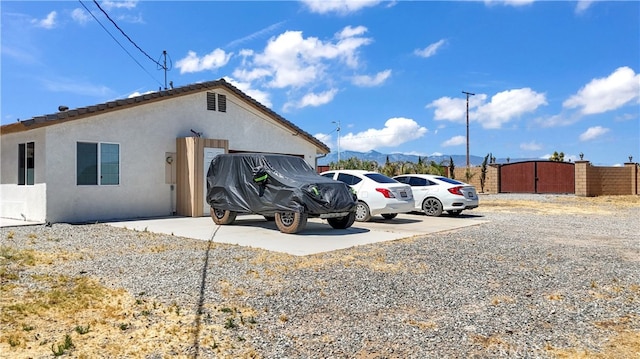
[{"x": 279, "y": 187}]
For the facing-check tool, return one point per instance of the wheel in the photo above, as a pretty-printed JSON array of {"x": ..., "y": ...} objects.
[
  {"x": 342, "y": 222},
  {"x": 270, "y": 218},
  {"x": 432, "y": 207},
  {"x": 389, "y": 215},
  {"x": 454, "y": 213},
  {"x": 362, "y": 212},
  {"x": 291, "y": 222},
  {"x": 222, "y": 216}
]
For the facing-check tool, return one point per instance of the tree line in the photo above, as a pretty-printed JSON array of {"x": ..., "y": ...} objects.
[{"x": 393, "y": 168}]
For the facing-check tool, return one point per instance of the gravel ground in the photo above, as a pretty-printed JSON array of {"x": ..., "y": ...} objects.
[{"x": 521, "y": 285}]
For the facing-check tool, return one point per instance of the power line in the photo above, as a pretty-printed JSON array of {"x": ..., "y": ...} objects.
[
  {"x": 127, "y": 36},
  {"x": 122, "y": 47}
]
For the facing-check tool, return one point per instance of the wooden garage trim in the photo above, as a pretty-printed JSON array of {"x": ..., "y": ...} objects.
[{"x": 190, "y": 173}]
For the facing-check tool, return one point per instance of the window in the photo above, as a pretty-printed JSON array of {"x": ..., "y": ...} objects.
[
  {"x": 222, "y": 103},
  {"x": 417, "y": 182},
  {"x": 348, "y": 179},
  {"x": 211, "y": 101},
  {"x": 98, "y": 161},
  {"x": 212, "y": 97},
  {"x": 380, "y": 178},
  {"x": 328, "y": 175},
  {"x": 26, "y": 163},
  {"x": 449, "y": 180}
]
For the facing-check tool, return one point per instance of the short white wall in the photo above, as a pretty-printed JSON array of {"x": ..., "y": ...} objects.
[
  {"x": 24, "y": 202},
  {"x": 27, "y": 203}
]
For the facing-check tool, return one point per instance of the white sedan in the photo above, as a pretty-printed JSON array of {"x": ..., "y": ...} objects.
[
  {"x": 434, "y": 194},
  {"x": 377, "y": 193}
]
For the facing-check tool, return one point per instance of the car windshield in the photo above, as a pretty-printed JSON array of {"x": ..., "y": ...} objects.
[
  {"x": 448, "y": 180},
  {"x": 380, "y": 178}
]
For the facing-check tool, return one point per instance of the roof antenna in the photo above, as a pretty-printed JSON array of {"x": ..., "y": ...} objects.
[
  {"x": 165, "y": 68},
  {"x": 198, "y": 134}
]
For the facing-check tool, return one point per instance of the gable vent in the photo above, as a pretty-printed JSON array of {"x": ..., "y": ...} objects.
[
  {"x": 211, "y": 101},
  {"x": 222, "y": 103}
]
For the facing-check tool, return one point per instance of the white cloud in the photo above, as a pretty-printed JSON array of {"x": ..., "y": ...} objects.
[
  {"x": 509, "y": 2},
  {"x": 431, "y": 49},
  {"x": 48, "y": 22},
  {"x": 395, "y": 132},
  {"x": 531, "y": 146},
  {"x": 583, "y": 5},
  {"x": 290, "y": 60},
  {"x": 256, "y": 34},
  {"x": 455, "y": 141},
  {"x": 508, "y": 105},
  {"x": 137, "y": 93},
  {"x": 593, "y": 132},
  {"x": 371, "y": 81},
  {"x": 502, "y": 108},
  {"x": 557, "y": 120},
  {"x": 260, "y": 96},
  {"x": 325, "y": 138},
  {"x": 80, "y": 16},
  {"x": 129, "y": 4},
  {"x": 213, "y": 60},
  {"x": 341, "y": 7},
  {"x": 313, "y": 99},
  {"x": 63, "y": 84},
  {"x": 606, "y": 94}
]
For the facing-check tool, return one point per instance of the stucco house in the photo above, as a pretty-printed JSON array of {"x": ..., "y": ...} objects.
[{"x": 144, "y": 156}]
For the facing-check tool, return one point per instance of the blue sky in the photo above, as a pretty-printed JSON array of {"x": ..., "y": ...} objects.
[{"x": 547, "y": 76}]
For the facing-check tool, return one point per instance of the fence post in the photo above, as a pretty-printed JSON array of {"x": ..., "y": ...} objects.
[
  {"x": 633, "y": 168},
  {"x": 581, "y": 178}
]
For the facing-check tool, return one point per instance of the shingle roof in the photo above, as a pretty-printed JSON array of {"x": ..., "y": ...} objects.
[{"x": 84, "y": 112}]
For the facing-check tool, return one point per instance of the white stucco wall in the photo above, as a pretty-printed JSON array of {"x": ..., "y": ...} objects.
[
  {"x": 145, "y": 134},
  {"x": 24, "y": 202}
]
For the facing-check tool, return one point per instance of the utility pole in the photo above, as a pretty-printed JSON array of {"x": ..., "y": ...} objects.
[
  {"x": 338, "y": 130},
  {"x": 468, "y": 94}
]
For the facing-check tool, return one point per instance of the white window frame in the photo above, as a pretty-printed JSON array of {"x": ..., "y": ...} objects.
[{"x": 99, "y": 162}]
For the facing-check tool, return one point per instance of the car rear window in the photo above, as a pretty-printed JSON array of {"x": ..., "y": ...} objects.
[
  {"x": 348, "y": 179},
  {"x": 448, "y": 180},
  {"x": 380, "y": 178}
]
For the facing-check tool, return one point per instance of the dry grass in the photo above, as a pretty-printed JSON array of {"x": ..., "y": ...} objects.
[
  {"x": 623, "y": 344},
  {"x": 39, "y": 313},
  {"x": 603, "y": 205}
]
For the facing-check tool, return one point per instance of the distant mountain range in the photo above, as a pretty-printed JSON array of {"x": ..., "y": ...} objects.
[{"x": 381, "y": 158}]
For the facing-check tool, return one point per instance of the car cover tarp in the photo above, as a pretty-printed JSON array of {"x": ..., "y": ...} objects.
[{"x": 266, "y": 183}]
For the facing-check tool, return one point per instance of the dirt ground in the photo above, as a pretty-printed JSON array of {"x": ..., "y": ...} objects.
[{"x": 115, "y": 323}]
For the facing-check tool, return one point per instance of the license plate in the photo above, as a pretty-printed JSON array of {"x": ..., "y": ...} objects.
[{"x": 403, "y": 194}]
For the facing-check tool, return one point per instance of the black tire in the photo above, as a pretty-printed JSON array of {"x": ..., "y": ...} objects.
[
  {"x": 389, "y": 215},
  {"x": 454, "y": 213},
  {"x": 342, "y": 222},
  {"x": 223, "y": 216},
  {"x": 270, "y": 218},
  {"x": 432, "y": 207},
  {"x": 363, "y": 214},
  {"x": 291, "y": 222}
]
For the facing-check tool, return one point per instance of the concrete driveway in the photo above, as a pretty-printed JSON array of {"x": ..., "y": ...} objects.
[{"x": 318, "y": 236}]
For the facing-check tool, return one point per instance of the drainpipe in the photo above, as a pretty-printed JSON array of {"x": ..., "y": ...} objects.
[{"x": 317, "y": 158}]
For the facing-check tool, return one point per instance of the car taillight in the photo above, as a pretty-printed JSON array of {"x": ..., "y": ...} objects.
[
  {"x": 456, "y": 190},
  {"x": 385, "y": 192}
]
